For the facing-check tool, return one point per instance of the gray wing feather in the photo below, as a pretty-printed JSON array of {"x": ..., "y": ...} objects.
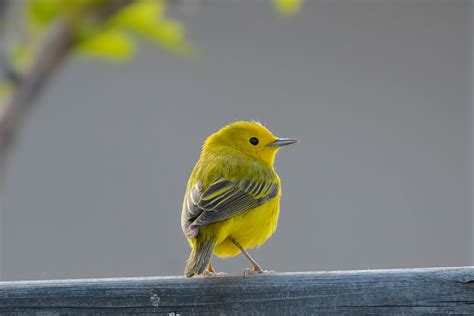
[{"x": 221, "y": 200}]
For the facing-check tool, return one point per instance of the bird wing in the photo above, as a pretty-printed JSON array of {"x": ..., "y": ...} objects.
[{"x": 222, "y": 200}]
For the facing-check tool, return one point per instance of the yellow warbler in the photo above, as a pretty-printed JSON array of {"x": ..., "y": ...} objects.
[{"x": 232, "y": 199}]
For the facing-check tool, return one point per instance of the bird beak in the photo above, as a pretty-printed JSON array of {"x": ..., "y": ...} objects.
[{"x": 280, "y": 142}]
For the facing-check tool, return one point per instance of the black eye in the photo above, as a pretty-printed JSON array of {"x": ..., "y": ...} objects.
[{"x": 253, "y": 141}]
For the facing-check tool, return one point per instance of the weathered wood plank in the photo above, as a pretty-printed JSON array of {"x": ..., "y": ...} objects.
[{"x": 410, "y": 291}]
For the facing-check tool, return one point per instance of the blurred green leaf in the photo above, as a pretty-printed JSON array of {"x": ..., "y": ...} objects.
[
  {"x": 112, "y": 45},
  {"x": 5, "y": 92},
  {"x": 82, "y": 2},
  {"x": 147, "y": 17},
  {"x": 40, "y": 12},
  {"x": 288, "y": 7},
  {"x": 170, "y": 33},
  {"x": 21, "y": 56},
  {"x": 139, "y": 15}
]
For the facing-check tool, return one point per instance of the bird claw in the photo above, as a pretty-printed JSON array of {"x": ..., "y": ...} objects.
[
  {"x": 214, "y": 274},
  {"x": 253, "y": 271}
]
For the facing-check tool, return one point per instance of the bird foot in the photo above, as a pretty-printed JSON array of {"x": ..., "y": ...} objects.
[
  {"x": 214, "y": 274},
  {"x": 253, "y": 271}
]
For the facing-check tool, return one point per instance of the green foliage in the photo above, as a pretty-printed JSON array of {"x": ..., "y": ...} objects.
[
  {"x": 5, "y": 92},
  {"x": 109, "y": 45},
  {"x": 21, "y": 56},
  {"x": 148, "y": 19},
  {"x": 115, "y": 38},
  {"x": 145, "y": 18},
  {"x": 40, "y": 13}
]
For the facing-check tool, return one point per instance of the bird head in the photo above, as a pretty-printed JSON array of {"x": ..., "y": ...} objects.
[{"x": 251, "y": 138}]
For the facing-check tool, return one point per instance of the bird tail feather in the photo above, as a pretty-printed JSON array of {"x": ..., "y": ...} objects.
[{"x": 199, "y": 257}]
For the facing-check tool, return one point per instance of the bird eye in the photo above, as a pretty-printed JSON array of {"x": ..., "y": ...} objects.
[{"x": 253, "y": 141}]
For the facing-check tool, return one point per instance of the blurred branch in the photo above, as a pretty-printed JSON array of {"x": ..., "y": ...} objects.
[
  {"x": 62, "y": 36},
  {"x": 52, "y": 51}
]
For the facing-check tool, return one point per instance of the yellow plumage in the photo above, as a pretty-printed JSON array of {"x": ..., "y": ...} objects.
[
  {"x": 232, "y": 201},
  {"x": 250, "y": 229}
]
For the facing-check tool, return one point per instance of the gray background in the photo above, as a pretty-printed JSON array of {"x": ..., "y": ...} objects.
[{"x": 379, "y": 92}]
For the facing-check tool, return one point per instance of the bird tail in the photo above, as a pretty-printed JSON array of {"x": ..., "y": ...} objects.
[{"x": 199, "y": 257}]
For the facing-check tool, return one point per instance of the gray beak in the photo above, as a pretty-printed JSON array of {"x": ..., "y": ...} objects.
[{"x": 280, "y": 142}]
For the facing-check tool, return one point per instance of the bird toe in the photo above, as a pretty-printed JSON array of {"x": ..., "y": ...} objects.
[
  {"x": 251, "y": 271},
  {"x": 214, "y": 274}
]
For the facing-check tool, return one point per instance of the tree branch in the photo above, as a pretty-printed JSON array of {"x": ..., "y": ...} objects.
[
  {"x": 55, "y": 47},
  {"x": 51, "y": 53}
]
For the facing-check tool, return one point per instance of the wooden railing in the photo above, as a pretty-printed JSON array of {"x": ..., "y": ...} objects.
[{"x": 409, "y": 291}]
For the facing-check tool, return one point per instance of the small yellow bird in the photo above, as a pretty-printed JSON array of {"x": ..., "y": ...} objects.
[{"x": 232, "y": 199}]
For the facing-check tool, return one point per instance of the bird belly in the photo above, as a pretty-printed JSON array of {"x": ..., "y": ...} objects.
[{"x": 250, "y": 229}]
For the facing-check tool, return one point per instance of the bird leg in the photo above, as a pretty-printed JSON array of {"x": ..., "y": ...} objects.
[
  {"x": 210, "y": 268},
  {"x": 210, "y": 271},
  {"x": 256, "y": 268}
]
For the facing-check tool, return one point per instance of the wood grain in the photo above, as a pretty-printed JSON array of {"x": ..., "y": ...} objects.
[{"x": 392, "y": 292}]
